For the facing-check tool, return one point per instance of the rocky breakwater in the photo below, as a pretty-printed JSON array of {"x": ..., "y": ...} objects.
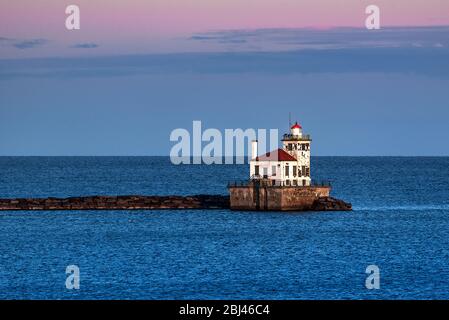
[
  {"x": 146, "y": 203},
  {"x": 117, "y": 203}
]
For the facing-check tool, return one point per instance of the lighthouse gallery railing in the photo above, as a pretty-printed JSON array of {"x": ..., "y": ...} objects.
[{"x": 269, "y": 183}]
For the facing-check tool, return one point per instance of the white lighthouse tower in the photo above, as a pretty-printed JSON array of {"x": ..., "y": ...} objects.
[
  {"x": 289, "y": 166},
  {"x": 298, "y": 145}
]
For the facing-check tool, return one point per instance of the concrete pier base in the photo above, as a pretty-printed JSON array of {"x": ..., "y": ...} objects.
[{"x": 263, "y": 197}]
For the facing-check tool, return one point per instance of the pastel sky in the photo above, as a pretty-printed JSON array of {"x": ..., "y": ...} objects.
[
  {"x": 139, "y": 69},
  {"x": 146, "y": 26}
]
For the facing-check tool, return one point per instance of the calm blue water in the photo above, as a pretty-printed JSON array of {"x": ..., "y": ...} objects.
[{"x": 400, "y": 223}]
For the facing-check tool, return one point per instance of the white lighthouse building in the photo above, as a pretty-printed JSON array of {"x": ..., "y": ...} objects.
[{"x": 289, "y": 166}]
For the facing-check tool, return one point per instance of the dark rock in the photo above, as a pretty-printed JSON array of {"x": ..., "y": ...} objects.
[{"x": 331, "y": 204}]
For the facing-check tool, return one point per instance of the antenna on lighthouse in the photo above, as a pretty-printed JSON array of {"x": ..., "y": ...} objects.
[{"x": 289, "y": 120}]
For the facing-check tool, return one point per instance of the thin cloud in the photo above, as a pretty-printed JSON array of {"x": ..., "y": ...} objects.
[
  {"x": 219, "y": 38},
  {"x": 334, "y": 38},
  {"x": 85, "y": 46},
  {"x": 28, "y": 44}
]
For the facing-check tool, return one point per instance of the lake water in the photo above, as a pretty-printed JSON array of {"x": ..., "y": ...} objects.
[{"x": 400, "y": 223}]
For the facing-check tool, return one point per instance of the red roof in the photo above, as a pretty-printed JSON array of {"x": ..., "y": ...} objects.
[
  {"x": 277, "y": 155},
  {"x": 296, "y": 126}
]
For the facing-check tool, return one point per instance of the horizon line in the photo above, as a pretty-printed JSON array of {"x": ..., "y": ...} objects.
[{"x": 167, "y": 156}]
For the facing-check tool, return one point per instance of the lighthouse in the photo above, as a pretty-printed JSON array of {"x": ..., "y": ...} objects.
[
  {"x": 289, "y": 166},
  {"x": 280, "y": 180}
]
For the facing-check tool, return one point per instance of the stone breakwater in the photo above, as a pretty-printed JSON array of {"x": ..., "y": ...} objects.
[
  {"x": 145, "y": 203},
  {"x": 117, "y": 203}
]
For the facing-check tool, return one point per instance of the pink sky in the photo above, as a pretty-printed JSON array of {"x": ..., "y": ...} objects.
[{"x": 141, "y": 26}]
